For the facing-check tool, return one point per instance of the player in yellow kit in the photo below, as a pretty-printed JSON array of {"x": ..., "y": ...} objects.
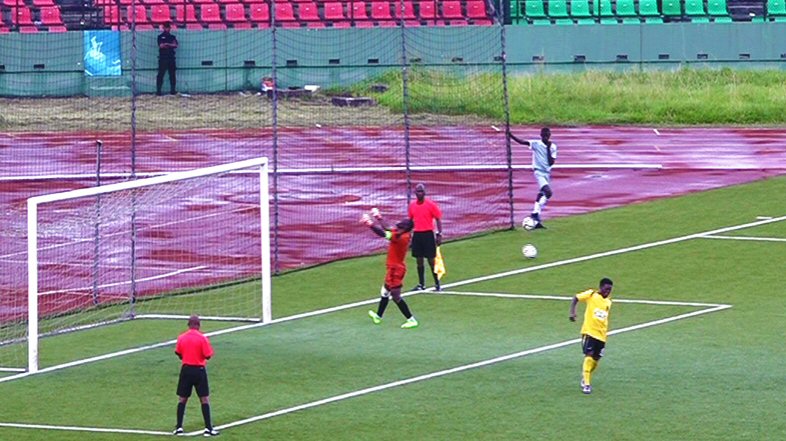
[{"x": 594, "y": 328}]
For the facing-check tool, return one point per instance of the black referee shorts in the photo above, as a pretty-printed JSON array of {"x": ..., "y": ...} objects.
[
  {"x": 592, "y": 347},
  {"x": 192, "y": 377},
  {"x": 424, "y": 244}
]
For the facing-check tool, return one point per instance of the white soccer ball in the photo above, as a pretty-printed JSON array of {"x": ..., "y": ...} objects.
[
  {"x": 528, "y": 223},
  {"x": 529, "y": 251}
]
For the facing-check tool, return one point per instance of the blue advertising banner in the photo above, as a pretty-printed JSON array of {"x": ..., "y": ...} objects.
[{"x": 102, "y": 53}]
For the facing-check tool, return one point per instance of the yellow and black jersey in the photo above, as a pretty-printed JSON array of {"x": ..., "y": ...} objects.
[{"x": 596, "y": 315}]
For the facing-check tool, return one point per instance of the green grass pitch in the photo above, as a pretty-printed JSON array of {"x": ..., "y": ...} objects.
[{"x": 335, "y": 376}]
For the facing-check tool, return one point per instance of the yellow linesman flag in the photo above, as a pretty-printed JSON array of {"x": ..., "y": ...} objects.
[{"x": 439, "y": 265}]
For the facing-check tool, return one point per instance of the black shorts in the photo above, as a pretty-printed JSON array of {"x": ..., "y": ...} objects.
[
  {"x": 424, "y": 244},
  {"x": 592, "y": 347},
  {"x": 192, "y": 377}
]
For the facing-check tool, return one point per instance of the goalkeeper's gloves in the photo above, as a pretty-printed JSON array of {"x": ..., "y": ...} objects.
[
  {"x": 375, "y": 212},
  {"x": 366, "y": 220}
]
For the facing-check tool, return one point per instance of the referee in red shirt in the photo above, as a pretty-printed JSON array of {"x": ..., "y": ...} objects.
[
  {"x": 423, "y": 213},
  {"x": 194, "y": 350}
]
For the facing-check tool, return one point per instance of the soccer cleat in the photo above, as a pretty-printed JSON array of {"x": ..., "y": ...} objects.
[
  {"x": 539, "y": 225},
  {"x": 410, "y": 323},
  {"x": 178, "y": 431},
  {"x": 581, "y": 383},
  {"x": 437, "y": 288},
  {"x": 418, "y": 287},
  {"x": 374, "y": 317},
  {"x": 586, "y": 389},
  {"x": 210, "y": 432}
]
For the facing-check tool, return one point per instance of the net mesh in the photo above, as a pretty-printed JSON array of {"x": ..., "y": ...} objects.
[
  {"x": 351, "y": 118},
  {"x": 174, "y": 248}
]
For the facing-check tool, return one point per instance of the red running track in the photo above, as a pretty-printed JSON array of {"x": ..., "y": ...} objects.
[{"x": 318, "y": 212}]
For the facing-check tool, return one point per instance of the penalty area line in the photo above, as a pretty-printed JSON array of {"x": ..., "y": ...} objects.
[
  {"x": 84, "y": 429},
  {"x": 554, "y": 297},
  {"x": 458, "y": 369}
]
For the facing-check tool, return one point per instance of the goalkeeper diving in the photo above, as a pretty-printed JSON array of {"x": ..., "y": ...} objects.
[{"x": 398, "y": 237}]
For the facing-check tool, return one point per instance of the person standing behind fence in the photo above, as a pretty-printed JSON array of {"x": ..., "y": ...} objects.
[
  {"x": 544, "y": 155},
  {"x": 194, "y": 349},
  {"x": 424, "y": 212},
  {"x": 167, "y": 43}
]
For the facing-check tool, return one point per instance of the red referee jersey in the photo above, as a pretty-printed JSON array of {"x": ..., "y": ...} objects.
[
  {"x": 194, "y": 348},
  {"x": 423, "y": 214}
]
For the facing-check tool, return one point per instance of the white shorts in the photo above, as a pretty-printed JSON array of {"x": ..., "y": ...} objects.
[{"x": 543, "y": 178}]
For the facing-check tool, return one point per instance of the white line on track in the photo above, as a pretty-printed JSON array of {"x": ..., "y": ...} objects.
[{"x": 760, "y": 239}]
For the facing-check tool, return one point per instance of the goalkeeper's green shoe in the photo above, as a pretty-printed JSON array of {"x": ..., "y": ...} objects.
[
  {"x": 374, "y": 317},
  {"x": 410, "y": 323}
]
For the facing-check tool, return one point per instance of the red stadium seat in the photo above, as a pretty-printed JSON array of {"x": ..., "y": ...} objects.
[
  {"x": 112, "y": 15},
  {"x": 235, "y": 14},
  {"x": 12, "y": 3},
  {"x": 21, "y": 16},
  {"x": 285, "y": 15},
  {"x": 160, "y": 14},
  {"x": 210, "y": 13},
  {"x": 139, "y": 13},
  {"x": 334, "y": 11},
  {"x": 260, "y": 14},
  {"x": 50, "y": 16},
  {"x": 427, "y": 10},
  {"x": 451, "y": 9},
  {"x": 380, "y": 10},
  {"x": 476, "y": 11},
  {"x": 42, "y": 3},
  {"x": 3, "y": 29},
  {"x": 407, "y": 14},
  {"x": 187, "y": 14},
  {"x": 308, "y": 12},
  {"x": 358, "y": 11}
]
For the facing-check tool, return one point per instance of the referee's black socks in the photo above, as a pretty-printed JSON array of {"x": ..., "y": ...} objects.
[{"x": 206, "y": 415}]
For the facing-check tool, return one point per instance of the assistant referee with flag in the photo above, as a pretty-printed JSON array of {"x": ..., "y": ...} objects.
[
  {"x": 424, "y": 212},
  {"x": 194, "y": 350}
]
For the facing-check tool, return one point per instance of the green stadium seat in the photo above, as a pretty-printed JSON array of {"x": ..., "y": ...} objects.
[
  {"x": 580, "y": 11},
  {"x": 672, "y": 9},
  {"x": 718, "y": 11},
  {"x": 776, "y": 10},
  {"x": 648, "y": 10},
  {"x": 626, "y": 10},
  {"x": 606, "y": 14},
  {"x": 535, "y": 12},
  {"x": 558, "y": 11},
  {"x": 694, "y": 10}
]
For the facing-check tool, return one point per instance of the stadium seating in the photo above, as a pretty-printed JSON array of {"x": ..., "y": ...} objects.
[
  {"x": 580, "y": 11},
  {"x": 160, "y": 14},
  {"x": 776, "y": 10},
  {"x": 558, "y": 12},
  {"x": 476, "y": 11},
  {"x": 648, "y": 10},
  {"x": 694, "y": 10},
  {"x": 210, "y": 14},
  {"x": 42, "y": 3},
  {"x": 235, "y": 14},
  {"x": 535, "y": 13},
  {"x": 50, "y": 17},
  {"x": 718, "y": 11},
  {"x": 672, "y": 10},
  {"x": 603, "y": 12},
  {"x": 626, "y": 11},
  {"x": 245, "y": 14}
]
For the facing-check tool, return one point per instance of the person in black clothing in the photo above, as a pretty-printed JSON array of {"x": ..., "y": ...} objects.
[{"x": 167, "y": 43}]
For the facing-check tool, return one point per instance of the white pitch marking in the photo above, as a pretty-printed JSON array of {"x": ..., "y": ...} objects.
[
  {"x": 760, "y": 239},
  {"x": 374, "y": 300},
  {"x": 613, "y": 252},
  {"x": 457, "y": 369},
  {"x": 763, "y": 217},
  {"x": 551, "y": 297},
  {"x": 84, "y": 429}
]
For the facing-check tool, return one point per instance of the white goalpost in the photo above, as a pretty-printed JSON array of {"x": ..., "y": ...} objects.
[{"x": 193, "y": 242}]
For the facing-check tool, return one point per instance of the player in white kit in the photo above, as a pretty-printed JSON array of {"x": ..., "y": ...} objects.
[{"x": 544, "y": 155}]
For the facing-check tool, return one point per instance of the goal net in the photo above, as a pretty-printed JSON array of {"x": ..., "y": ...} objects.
[{"x": 194, "y": 242}]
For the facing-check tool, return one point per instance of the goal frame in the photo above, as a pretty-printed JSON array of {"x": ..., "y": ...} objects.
[{"x": 34, "y": 202}]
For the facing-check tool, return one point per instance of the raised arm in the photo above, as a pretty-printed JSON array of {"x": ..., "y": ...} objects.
[
  {"x": 367, "y": 221},
  {"x": 520, "y": 141}
]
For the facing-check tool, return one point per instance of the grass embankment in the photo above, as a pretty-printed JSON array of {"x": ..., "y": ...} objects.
[{"x": 682, "y": 97}]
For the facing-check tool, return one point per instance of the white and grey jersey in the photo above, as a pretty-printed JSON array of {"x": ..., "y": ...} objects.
[{"x": 540, "y": 155}]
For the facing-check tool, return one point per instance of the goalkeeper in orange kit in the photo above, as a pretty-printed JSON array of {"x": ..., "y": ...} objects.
[{"x": 396, "y": 267}]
